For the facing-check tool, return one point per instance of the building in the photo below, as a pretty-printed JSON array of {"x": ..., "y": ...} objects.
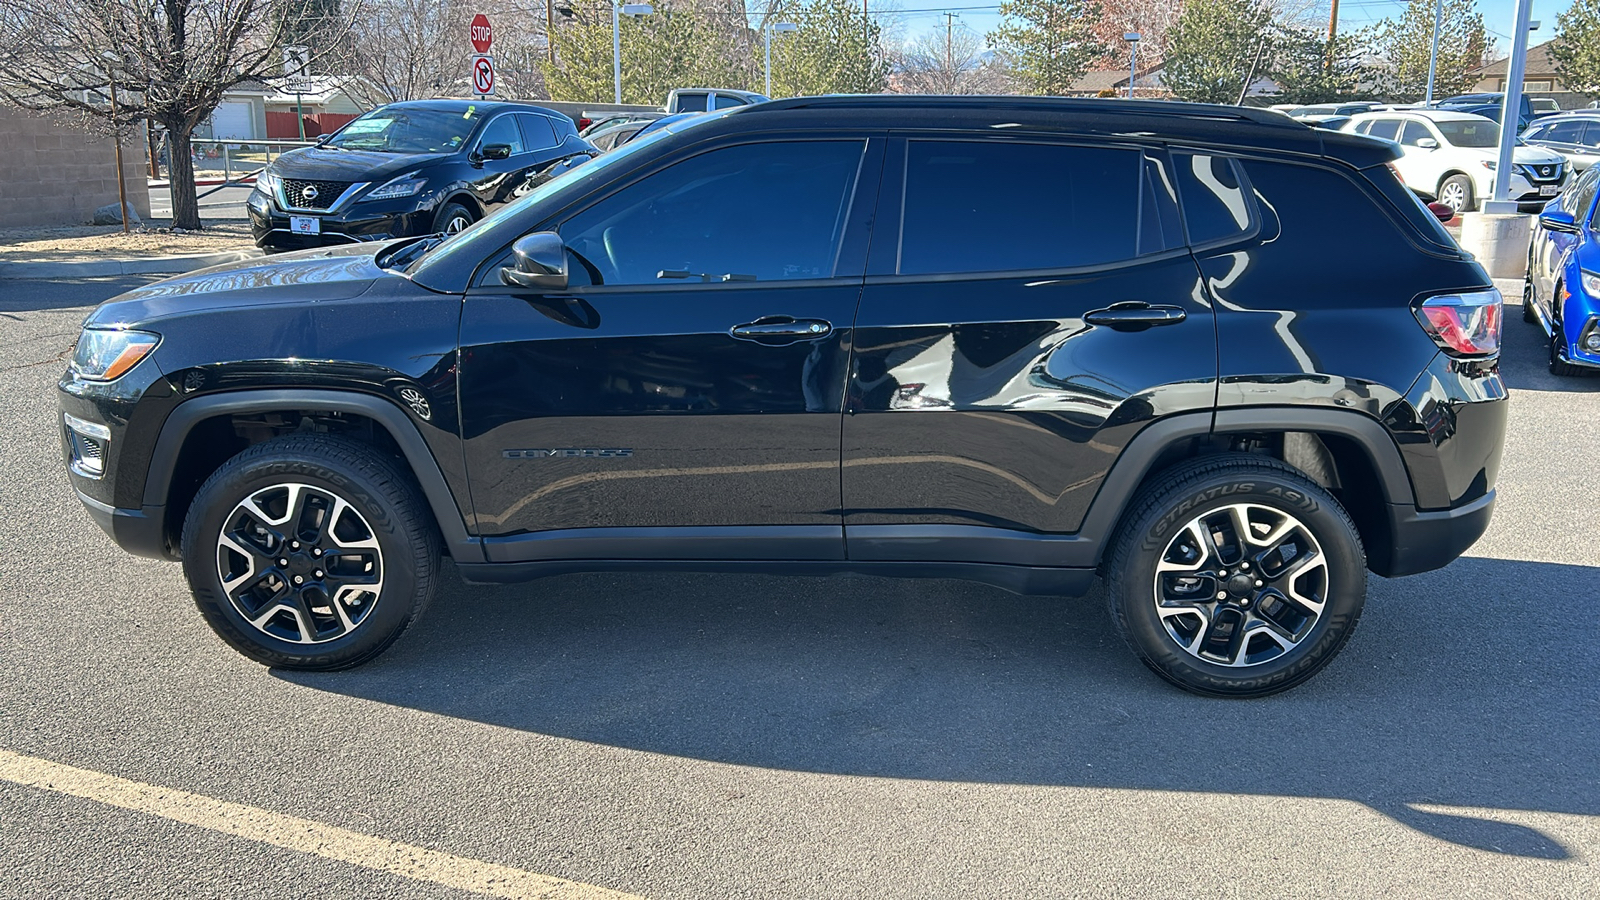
[
  {"x": 255, "y": 111},
  {"x": 1539, "y": 78}
]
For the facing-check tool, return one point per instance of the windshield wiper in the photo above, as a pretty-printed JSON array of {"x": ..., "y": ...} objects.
[{"x": 404, "y": 253}]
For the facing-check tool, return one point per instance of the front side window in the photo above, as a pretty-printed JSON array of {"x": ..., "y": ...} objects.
[
  {"x": 1413, "y": 134},
  {"x": 988, "y": 206},
  {"x": 753, "y": 212},
  {"x": 1216, "y": 203},
  {"x": 1562, "y": 132},
  {"x": 502, "y": 131},
  {"x": 1465, "y": 133}
]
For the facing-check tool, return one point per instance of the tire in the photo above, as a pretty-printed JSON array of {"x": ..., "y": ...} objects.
[
  {"x": 1269, "y": 634},
  {"x": 453, "y": 218},
  {"x": 1456, "y": 192},
  {"x": 1528, "y": 314},
  {"x": 1558, "y": 338},
  {"x": 368, "y": 569}
]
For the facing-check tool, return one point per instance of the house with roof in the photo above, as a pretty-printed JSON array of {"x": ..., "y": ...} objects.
[{"x": 1539, "y": 78}]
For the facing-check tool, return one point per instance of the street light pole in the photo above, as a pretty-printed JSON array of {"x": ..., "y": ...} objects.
[
  {"x": 1511, "y": 112},
  {"x": 1433, "y": 55},
  {"x": 766, "y": 38},
  {"x": 616, "y": 50},
  {"x": 1132, "y": 37}
]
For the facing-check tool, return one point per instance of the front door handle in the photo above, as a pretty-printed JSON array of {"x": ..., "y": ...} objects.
[
  {"x": 780, "y": 330},
  {"x": 1135, "y": 315}
]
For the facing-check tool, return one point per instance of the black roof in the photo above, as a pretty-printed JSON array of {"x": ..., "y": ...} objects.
[
  {"x": 1161, "y": 120},
  {"x": 461, "y": 105}
]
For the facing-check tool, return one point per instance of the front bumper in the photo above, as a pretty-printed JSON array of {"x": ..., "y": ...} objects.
[
  {"x": 141, "y": 532},
  {"x": 355, "y": 223}
]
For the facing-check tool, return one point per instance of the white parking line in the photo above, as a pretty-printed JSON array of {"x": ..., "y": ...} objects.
[{"x": 302, "y": 835}]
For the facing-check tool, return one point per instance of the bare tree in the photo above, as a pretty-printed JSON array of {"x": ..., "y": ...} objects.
[
  {"x": 949, "y": 61},
  {"x": 170, "y": 62},
  {"x": 1150, "y": 18}
]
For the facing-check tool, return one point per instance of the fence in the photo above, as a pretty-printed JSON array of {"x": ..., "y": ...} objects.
[{"x": 283, "y": 125}]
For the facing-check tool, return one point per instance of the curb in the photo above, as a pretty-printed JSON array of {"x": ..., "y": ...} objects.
[{"x": 97, "y": 268}]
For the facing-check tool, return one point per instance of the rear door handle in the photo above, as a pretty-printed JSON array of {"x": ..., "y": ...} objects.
[
  {"x": 1135, "y": 315},
  {"x": 780, "y": 330}
]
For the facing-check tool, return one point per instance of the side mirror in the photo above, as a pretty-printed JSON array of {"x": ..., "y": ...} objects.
[
  {"x": 539, "y": 261},
  {"x": 1441, "y": 212},
  {"x": 1428, "y": 144},
  {"x": 1558, "y": 220},
  {"x": 495, "y": 151}
]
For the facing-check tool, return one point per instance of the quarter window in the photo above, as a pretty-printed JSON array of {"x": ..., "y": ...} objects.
[
  {"x": 753, "y": 212},
  {"x": 988, "y": 206}
]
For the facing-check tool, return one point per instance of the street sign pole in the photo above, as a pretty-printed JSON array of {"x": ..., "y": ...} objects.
[{"x": 1511, "y": 113}]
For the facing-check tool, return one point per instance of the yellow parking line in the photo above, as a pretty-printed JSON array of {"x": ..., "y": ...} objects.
[{"x": 302, "y": 835}]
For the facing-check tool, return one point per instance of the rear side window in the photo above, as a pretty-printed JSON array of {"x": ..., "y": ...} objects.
[
  {"x": 991, "y": 206},
  {"x": 1562, "y": 132},
  {"x": 691, "y": 103},
  {"x": 538, "y": 132},
  {"x": 1388, "y": 129},
  {"x": 1216, "y": 204},
  {"x": 1591, "y": 134}
]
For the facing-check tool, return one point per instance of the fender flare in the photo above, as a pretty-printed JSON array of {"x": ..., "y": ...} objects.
[
  {"x": 1133, "y": 465},
  {"x": 447, "y": 510}
]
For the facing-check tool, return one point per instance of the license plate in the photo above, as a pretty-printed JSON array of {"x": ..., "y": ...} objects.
[
  {"x": 1549, "y": 190},
  {"x": 305, "y": 224}
]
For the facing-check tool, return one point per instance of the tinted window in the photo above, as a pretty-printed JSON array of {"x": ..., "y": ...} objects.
[
  {"x": 724, "y": 101},
  {"x": 502, "y": 131},
  {"x": 1215, "y": 205},
  {"x": 539, "y": 133},
  {"x": 1159, "y": 225},
  {"x": 1388, "y": 129},
  {"x": 691, "y": 103},
  {"x": 1413, "y": 133},
  {"x": 1562, "y": 132},
  {"x": 766, "y": 212},
  {"x": 974, "y": 206}
]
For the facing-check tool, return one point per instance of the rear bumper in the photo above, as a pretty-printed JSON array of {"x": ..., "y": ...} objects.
[{"x": 1424, "y": 541}]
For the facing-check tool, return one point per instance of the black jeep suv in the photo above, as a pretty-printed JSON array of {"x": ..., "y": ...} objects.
[{"x": 1220, "y": 359}]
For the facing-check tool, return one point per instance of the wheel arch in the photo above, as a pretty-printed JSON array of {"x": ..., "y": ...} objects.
[
  {"x": 1350, "y": 454},
  {"x": 197, "y": 434}
]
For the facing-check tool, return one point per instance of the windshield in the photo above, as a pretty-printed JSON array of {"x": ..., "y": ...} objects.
[
  {"x": 400, "y": 129},
  {"x": 1470, "y": 134}
]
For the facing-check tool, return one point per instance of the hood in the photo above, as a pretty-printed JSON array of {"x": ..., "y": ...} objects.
[
  {"x": 319, "y": 275},
  {"x": 328, "y": 164},
  {"x": 1523, "y": 154}
]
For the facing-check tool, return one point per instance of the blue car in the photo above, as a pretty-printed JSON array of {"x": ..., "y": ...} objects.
[{"x": 1561, "y": 292}]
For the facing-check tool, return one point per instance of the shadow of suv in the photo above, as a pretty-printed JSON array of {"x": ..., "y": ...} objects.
[{"x": 1021, "y": 341}]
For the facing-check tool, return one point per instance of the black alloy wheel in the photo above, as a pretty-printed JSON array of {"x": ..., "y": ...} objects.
[{"x": 310, "y": 551}]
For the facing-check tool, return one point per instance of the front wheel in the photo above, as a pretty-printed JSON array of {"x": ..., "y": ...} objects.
[
  {"x": 1235, "y": 576},
  {"x": 310, "y": 551},
  {"x": 1457, "y": 193},
  {"x": 453, "y": 219}
]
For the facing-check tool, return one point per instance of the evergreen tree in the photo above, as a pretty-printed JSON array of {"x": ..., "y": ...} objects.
[
  {"x": 1576, "y": 50},
  {"x": 1407, "y": 42},
  {"x": 834, "y": 52},
  {"x": 1216, "y": 47},
  {"x": 1048, "y": 44}
]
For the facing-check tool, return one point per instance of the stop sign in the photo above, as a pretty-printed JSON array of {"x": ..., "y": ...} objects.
[{"x": 482, "y": 35}]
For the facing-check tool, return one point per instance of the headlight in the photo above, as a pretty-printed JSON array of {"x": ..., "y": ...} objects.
[
  {"x": 404, "y": 186},
  {"x": 1591, "y": 284},
  {"x": 268, "y": 183},
  {"x": 1489, "y": 164},
  {"x": 105, "y": 355}
]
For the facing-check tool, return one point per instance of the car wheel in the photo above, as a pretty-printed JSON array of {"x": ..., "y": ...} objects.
[
  {"x": 1558, "y": 340},
  {"x": 1456, "y": 193},
  {"x": 453, "y": 219},
  {"x": 1236, "y": 576},
  {"x": 310, "y": 551}
]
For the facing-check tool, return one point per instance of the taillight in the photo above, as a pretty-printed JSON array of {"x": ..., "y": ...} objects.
[
  {"x": 584, "y": 122},
  {"x": 1464, "y": 324},
  {"x": 1395, "y": 172}
]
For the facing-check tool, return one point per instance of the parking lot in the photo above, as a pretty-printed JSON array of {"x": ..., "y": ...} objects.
[{"x": 679, "y": 736}]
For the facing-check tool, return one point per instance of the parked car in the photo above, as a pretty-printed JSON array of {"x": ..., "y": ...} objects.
[
  {"x": 1450, "y": 156},
  {"x": 1330, "y": 122},
  {"x": 1490, "y": 105},
  {"x": 820, "y": 335},
  {"x": 709, "y": 99},
  {"x": 620, "y": 119},
  {"x": 1561, "y": 293},
  {"x": 1333, "y": 109},
  {"x": 410, "y": 168},
  {"x": 611, "y": 135},
  {"x": 1575, "y": 135},
  {"x": 1543, "y": 106},
  {"x": 660, "y": 124}
]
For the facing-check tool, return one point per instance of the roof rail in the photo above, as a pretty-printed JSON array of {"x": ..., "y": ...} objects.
[{"x": 1043, "y": 104}]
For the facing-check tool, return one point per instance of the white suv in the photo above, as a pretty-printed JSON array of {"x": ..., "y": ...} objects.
[{"x": 1450, "y": 157}]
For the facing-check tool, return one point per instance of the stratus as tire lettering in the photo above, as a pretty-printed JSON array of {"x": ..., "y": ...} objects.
[{"x": 572, "y": 453}]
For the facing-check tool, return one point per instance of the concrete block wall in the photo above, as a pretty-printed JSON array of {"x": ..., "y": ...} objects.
[{"x": 54, "y": 174}]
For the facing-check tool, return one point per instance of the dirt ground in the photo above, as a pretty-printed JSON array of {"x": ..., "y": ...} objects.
[{"x": 108, "y": 242}]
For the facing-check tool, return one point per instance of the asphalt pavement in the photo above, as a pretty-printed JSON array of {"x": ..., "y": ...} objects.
[{"x": 698, "y": 736}]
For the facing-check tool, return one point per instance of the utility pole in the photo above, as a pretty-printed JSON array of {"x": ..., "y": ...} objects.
[
  {"x": 949, "y": 54},
  {"x": 1333, "y": 21},
  {"x": 550, "y": 29}
]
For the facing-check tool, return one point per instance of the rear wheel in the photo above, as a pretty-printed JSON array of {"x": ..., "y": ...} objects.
[
  {"x": 1456, "y": 192},
  {"x": 1235, "y": 576},
  {"x": 310, "y": 551}
]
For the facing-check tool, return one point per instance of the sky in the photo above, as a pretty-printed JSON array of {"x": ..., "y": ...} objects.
[{"x": 918, "y": 16}]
